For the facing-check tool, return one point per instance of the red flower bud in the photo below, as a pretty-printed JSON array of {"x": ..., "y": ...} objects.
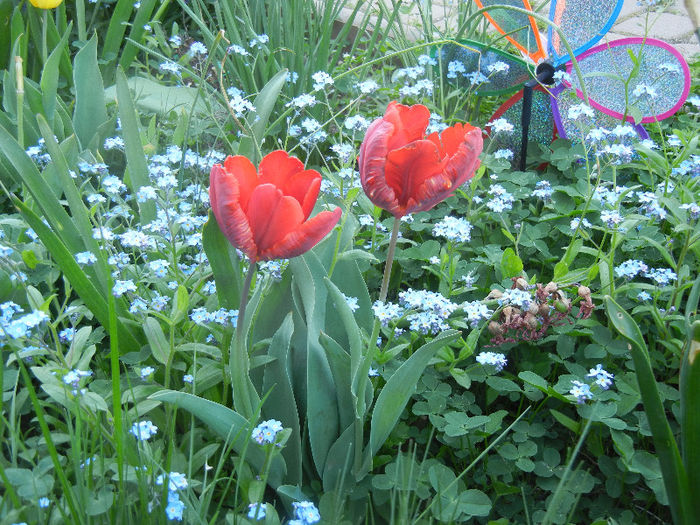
[{"x": 265, "y": 213}]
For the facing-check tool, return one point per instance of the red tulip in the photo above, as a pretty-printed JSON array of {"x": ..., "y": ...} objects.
[
  {"x": 402, "y": 171},
  {"x": 265, "y": 213}
]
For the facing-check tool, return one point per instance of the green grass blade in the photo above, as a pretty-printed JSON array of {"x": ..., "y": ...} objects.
[
  {"x": 79, "y": 212},
  {"x": 264, "y": 103},
  {"x": 90, "y": 295},
  {"x": 49, "y": 77},
  {"x": 135, "y": 157},
  {"x": 229, "y": 426},
  {"x": 143, "y": 16},
  {"x": 25, "y": 172},
  {"x": 690, "y": 401},
  {"x": 46, "y": 432}
]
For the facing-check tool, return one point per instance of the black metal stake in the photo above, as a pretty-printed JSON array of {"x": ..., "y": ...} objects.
[{"x": 544, "y": 74}]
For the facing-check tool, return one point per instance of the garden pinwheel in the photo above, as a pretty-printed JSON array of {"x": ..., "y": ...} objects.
[{"x": 638, "y": 80}]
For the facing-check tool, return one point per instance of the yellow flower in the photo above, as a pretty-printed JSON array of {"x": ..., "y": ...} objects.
[{"x": 46, "y": 4}]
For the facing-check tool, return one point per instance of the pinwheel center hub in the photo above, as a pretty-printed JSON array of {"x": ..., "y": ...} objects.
[{"x": 545, "y": 73}]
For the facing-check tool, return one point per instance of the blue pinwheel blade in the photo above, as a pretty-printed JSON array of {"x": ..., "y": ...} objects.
[
  {"x": 489, "y": 71},
  {"x": 583, "y": 23},
  {"x": 640, "y": 79}
]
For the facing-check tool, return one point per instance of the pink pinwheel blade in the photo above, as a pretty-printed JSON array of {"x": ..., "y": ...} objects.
[
  {"x": 658, "y": 90},
  {"x": 583, "y": 22}
]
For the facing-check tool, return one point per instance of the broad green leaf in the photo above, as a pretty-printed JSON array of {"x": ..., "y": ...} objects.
[
  {"x": 565, "y": 420},
  {"x": 160, "y": 348},
  {"x": 339, "y": 361},
  {"x": 118, "y": 21},
  {"x": 228, "y": 425},
  {"x": 352, "y": 330},
  {"x": 321, "y": 410},
  {"x": 511, "y": 264},
  {"x": 398, "y": 389},
  {"x": 224, "y": 264},
  {"x": 674, "y": 474},
  {"x": 152, "y": 97},
  {"x": 181, "y": 304},
  {"x": 90, "y": 112},
  {"x": 280, "y": 403},
  {"x": 533, "y": 379},
  {"x": 338, "y": 468},
  {"x": 135, "y": 157}
]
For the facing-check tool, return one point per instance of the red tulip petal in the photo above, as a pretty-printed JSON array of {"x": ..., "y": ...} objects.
[
  {"x": 410, "y": 123},
  {"x": 308, "y": 235},
  {"x": 304, "y": 187},
  {"x": 277, "y": 167},
  {"x": 372, "y": 161},
  {"x": 224, "y": 196},
  {"x": 272, "y": 216},
  {"x": 465, "y": 161},
  {"x": 408, "y": 169},
  {"x": 244, "y": 171}
]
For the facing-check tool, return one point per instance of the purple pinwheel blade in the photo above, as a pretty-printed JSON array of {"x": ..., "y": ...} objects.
[
  {"x": 520, "y": 29},
  {"x": 659, "y": 87},
  {"x": 600, "y": 129},
  {"x": 541, "y": 128},
  {"x": 493, "y": 71},
  {"x": 583, "y": 23}
]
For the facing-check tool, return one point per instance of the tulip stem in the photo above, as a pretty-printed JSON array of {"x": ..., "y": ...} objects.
[
  {"x": 239, "y": 362},
  {"x": 389, "y": 259}
]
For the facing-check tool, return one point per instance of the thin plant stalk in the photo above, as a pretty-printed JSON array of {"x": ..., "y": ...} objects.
[
  {"x": 19, "y": 79},
  {"x": 239, "y": 361},
  {"x": 389, "y": 259}
]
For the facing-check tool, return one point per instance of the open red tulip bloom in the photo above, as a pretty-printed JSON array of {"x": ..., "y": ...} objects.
[
  {"x": 265, "y": 213},
  {"x": 403, "y": 171}
]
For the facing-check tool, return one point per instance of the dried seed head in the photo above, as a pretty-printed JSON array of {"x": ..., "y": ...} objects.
[
  {"x": 551, "y": 288},
  {"x": 521, "y": 284},
  {"x": 494, "y": 294},
  {"x": 496, "y": 328}
]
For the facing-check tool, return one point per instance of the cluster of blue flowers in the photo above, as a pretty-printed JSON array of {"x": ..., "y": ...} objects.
[
  {"x": 266, "y": 432},
  {"x": 305, "y": 513},
  {"x": 143, "y": 430},
  {"x": 632, "y": 267},
  {"x": 176, "y": 481},
  {"x": 582, "y": 391},
  {"x": 12, "y": 327},
  {"x": 221, "y": 316},
  {"x": 433, "y": 310},
  {"x": 491, "y": 358},
  {"x": 456, "y": 229}
]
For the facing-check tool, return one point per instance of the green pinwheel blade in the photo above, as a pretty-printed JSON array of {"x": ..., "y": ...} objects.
[{"x": 479, "y": 62}]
